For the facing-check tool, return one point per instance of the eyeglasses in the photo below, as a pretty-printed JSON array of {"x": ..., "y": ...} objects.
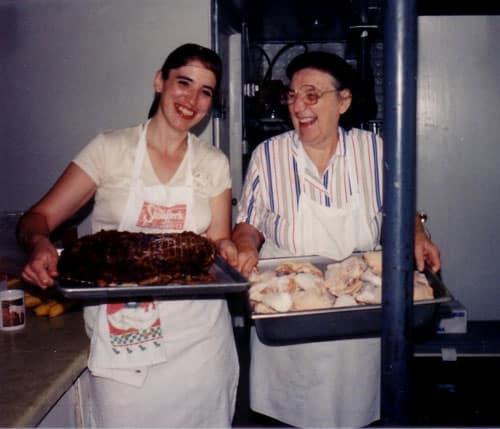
[{"x": 308, "y": 94}]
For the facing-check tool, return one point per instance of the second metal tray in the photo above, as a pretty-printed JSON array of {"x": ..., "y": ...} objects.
[
  {"x": 227, "y": 280},
  {"x": 361, "y": 321}
]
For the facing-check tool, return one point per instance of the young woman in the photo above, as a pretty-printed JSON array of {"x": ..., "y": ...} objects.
[{"x": 180, "y": 367}]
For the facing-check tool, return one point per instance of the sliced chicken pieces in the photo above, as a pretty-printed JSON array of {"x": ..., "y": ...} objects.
[
  {"x": 305, "y": 281},
  {"x": 258, "y": 290},
  {"x": 312, "y": 299},
  {"x": 291, "y": 267},
  {"x": 281, "y": 301},
  {"x": 369, "y": 294},
  {"x": 345, "y": 301},
  {"x": 298, "y": 286},
  {"x": 370, "y": 277},
  {"x": 420, "y": 279},
  {"x": 343, "y": 278},
  {"x": 372, "y": 294},
  {"x": 262, "y": 308},
  {"x": 421, "y": 287},
  {"x": 374, "y": 261},
  {"x": 261, "y": 276}
]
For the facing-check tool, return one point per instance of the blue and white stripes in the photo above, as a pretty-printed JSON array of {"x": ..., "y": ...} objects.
[{"x": 271, "y": 192}]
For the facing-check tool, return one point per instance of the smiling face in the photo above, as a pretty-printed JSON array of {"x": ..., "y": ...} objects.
[
  {"x": 186, "y": 95},
  {"x": 317, "y": 124}
]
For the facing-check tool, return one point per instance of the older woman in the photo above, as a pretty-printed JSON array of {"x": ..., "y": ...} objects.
[
  {"x": 181, "y": 369},
  {"x": 317, "y": 190}
]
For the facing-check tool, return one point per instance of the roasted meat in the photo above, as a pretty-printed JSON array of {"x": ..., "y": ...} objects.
[{"x": 114, "y": 257}]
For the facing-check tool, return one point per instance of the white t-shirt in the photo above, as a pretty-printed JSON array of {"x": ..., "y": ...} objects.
[{"x": 109, "y": 158}]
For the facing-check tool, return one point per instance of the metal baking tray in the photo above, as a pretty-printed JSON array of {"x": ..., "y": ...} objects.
[
  {"x": 227, "y": 280},
  {"x": 360, "y": 321}
]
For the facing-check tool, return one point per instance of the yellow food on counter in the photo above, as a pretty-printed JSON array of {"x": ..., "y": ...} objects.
[
  {"x": 14, "y": 283},
  {"x": 44, "y": 308},
  {"x": 52, "y": 308},
  {"x": 59, "y": 308},
  {"x": 42, "y": 302},
  {"x": 31, "y": 301}
]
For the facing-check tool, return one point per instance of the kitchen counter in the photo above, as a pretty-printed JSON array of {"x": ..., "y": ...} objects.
[{"x": 38, "y": 364}]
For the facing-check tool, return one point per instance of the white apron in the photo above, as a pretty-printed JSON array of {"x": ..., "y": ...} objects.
[
  {"x": 184, "y": 371},
  {"x": 322, "y": 384}
]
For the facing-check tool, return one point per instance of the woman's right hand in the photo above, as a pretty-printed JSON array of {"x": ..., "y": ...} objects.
[
  {"x": 248, "y": 257},
  {"x": 248, "y": 240},
  {"x": 42, "y": 264}
]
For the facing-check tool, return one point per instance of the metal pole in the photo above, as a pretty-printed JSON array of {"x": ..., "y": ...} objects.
[{"x": 400, "y": 60}]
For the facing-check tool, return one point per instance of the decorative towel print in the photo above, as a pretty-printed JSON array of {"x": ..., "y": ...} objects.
[
  {"x": 126, "y": 340},
  {"x": 134, "y": 327}
]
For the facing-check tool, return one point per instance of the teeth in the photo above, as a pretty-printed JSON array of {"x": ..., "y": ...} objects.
[
  {"x": 184, "y": 111},
  {"x": 306, "y": 120}
]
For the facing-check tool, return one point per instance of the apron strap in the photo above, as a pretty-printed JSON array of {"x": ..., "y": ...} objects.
[
  {"x": 140, "y": 153},
  {"x": 136, "y": 171}
]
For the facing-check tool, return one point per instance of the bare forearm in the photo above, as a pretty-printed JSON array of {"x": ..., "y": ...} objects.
[
  {"x": 30, "y": 229},
  {"x": 247, "y": 236},
  {"x": 248, "y": 241}
]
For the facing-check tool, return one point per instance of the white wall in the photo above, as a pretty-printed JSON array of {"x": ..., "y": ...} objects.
[
  {"x": 71, "y": 68},
  {"x": 459, "y": 152}
]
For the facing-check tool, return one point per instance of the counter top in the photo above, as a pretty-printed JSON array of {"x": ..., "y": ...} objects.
[{"x": 38, "y": 364}]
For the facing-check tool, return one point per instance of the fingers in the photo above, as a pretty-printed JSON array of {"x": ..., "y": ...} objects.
[
  {"x": 247, "y": 261},
  {"x": 41, "y": 268},
  {"x": 244, "y": 261},
  {"x": 433, "y": 257},
  {"x": 419, "y": 258},
  {"x": 227, "y": 249},
  {"x": 39, "y": 277},
  {"x": 427, "y": 252}
]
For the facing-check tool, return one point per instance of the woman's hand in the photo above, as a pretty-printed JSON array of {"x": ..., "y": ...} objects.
[
  {"x": 248, "y": 257},
  {"x": 42, "y": 264},
  {"x": 227, "y": 249},
  {"x": 426, "y": 252},
  {"x": 244, "y": 259},
  {"x": 248, "y": 240}
]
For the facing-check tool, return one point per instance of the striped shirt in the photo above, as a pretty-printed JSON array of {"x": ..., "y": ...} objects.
[{"x": 272, "y": 188}]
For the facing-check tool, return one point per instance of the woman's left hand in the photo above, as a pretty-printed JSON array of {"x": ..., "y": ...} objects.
[{"x": 426, "y": 252}]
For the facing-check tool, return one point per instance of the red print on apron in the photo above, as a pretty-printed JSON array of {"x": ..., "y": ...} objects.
[{"x": 162, "y": 217}]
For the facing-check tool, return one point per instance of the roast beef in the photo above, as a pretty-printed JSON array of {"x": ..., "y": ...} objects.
[{"x": 114, "y": 257}]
